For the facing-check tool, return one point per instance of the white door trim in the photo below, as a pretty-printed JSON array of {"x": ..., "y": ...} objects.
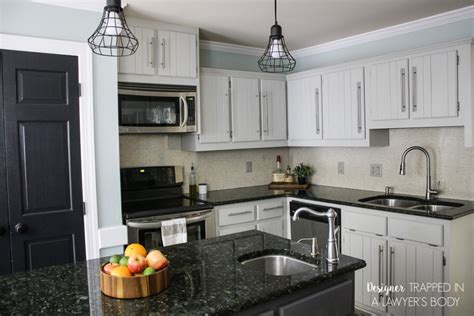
[{"x": 86, "y": 104}]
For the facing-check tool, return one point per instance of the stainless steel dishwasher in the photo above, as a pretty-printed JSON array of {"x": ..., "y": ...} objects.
[{"x": 313, "y": 226}]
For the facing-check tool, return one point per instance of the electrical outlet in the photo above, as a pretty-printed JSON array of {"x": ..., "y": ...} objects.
[
  {"x": 375, "y": 170},
  {"x": 340, "y": 167},
  {"x": 248, "y": 167}
]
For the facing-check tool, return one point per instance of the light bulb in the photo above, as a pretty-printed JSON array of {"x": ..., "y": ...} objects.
[
  {"x": 277, "y": 49},
  {"x": 113, "y": 25}
]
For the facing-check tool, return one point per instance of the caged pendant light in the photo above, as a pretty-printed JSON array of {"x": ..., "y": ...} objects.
[
  {"x": 276, "y": 58},
  {"x": 113, "y": 37}
]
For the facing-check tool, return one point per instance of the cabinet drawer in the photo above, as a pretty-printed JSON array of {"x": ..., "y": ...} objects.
[
  {"x": 365, "y": 223},
  {"x": 236, "y": 215},
  {"x": 234, "y": 230},
  {"x": 417, "y": 231},
  {"x": 269, "y": 210}
]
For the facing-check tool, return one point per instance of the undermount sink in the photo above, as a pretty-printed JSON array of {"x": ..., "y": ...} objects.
[
  {"x": 279, "y": 265},
  {"x": 392, "y": 201},
  {"x": 410, "y": 203}
]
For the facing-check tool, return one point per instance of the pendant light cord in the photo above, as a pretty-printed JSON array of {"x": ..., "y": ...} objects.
[{"x": 276, "y": 22}]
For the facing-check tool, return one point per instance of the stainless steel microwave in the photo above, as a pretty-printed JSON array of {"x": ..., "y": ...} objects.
[{"x": 146, "y": 108}]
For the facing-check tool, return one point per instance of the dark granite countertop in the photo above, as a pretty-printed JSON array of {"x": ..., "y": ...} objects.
[
  {"x": 334, "y": 195},
  {"x": 207, "y": 278}
]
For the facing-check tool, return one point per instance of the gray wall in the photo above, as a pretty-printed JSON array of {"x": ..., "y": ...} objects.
[{"x": 32, "y": 19}]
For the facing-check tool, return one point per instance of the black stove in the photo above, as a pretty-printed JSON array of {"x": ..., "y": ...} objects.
[{"x": 155, "y": 191}]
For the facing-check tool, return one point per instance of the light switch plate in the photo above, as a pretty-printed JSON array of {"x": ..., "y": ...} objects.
[
  {"x": 340, "y": 167},
  {"x": 248, "y": 167},
  {"x": 375, "y": 170}
]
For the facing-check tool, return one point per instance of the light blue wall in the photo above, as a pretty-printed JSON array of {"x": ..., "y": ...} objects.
[
  {"x": 32, "y": 19},
  {"x": 436, "y": 35}
]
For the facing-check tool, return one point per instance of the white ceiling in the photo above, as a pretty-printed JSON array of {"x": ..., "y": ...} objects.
[{"x": 305, "y": 22}]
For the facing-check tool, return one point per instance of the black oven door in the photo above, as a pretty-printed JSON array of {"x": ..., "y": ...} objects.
[{"x": 151, "y": 238}]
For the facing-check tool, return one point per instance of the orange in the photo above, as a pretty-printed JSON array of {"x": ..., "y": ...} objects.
[
  {"x": 135, "y": 249},
  {"x": 121, "y": 271}
]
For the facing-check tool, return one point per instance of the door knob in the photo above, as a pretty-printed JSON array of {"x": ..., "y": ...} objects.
[{"x": 21, "y": 228}]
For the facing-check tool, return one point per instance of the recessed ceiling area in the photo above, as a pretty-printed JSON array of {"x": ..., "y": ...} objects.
[{"x": 305, "y": 22}]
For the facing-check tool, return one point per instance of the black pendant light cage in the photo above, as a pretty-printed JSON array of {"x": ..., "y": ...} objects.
[
  {"x": 113, "y": 37},
  {"x": 277, "y": 57}
]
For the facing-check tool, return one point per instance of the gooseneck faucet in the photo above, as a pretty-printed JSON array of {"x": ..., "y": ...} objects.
[
  {"x": 429, "y": 190},
  {"x": 333, "y": 254}
]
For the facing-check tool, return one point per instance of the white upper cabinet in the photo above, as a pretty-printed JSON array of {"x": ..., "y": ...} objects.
[
  {"x": 167, "y": 54},
  {"x": 305, "y": 108},
  {"x": 176, "y": 54},
  {"x": 143, "y": 61},
  {"x": 388, "y": 92},
  {"x": 245, "y": 110},
  {"x": 273, "y": 109},
  {"x": 434, "y": 91},
  {"x": 344, "y": 105},
  {"x": 215, "y": 109}
]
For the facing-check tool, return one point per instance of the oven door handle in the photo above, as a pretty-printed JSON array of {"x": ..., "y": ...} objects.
[
  {"x": 186, "y": 111},
  {"x": 157, "y": 224}
]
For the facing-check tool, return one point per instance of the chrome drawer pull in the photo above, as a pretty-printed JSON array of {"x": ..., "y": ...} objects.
[
  {"x": 272, "y": 208},
  {"x": 240, "y": 213}
]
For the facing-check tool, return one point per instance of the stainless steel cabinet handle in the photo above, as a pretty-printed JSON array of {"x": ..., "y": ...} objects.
[
  {"x": 272, "y": 208},
  {"x": 380, "y": 268},
  {"x": 414, "y": 87},
  {"x": 403, "y": 92},
  {"x": 163, "y": 43},
  {"x": 266, "y": 104},
  {"x": 359, "y": 107},
  {"x": 318, "y": 127},
  {"x": 392, "y": 273},
  {"x": 152, "y": 52},
  {"x": 240, "y": 213}
]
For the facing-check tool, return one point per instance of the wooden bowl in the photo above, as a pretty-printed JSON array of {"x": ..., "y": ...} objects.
[{"x": 134, "y": 286}]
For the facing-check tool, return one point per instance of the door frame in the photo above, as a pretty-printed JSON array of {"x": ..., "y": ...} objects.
[{"x": 86, "y": 104}]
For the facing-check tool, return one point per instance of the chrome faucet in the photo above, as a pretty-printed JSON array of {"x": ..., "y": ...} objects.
[
  {"x": 429, "y": 190},
  {"x": 333, "y": 254},
  {"x": 314, "y": 245}
]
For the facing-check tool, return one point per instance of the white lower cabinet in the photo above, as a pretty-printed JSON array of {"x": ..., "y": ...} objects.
[
  {"x": 395, "y": 258},
  {"x": 269, "y": 216}
]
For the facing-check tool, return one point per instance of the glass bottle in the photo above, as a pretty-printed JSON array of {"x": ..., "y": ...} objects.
[
  {"x": 278, "y": 175},
  {"x": 192, "y": 182}
]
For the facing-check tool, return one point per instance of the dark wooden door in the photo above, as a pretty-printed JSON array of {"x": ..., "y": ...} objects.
[
  {"x": 43, "y": 165},
  {"x": 5, "y": 262}
]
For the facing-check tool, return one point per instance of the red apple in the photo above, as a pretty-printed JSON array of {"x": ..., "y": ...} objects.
[
  {"x": 109, "y": 267},
  {"x": 136, "y": 263},
  {"x": 156, "y": 260}
]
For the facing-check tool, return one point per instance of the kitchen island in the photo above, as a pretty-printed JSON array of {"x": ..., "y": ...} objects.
[{"x": 207, "y": 278}]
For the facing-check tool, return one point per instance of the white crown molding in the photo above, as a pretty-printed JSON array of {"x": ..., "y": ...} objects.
[
  {"x": 400, "y": 29},
  {"x": 231, "y": 48},
  {"x": 88, "y": 5}
]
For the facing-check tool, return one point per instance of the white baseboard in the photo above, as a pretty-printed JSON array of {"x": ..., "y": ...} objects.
[{"x": 113, "y": 236}]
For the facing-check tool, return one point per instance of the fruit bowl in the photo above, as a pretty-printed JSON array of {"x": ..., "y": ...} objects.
[{"x": 137, "y": 286}]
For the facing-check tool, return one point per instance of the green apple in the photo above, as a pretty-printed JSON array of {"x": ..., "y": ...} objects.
[
  {"x": 148, "y": 271},
  {"x": 124, "y": 261},
  {"x": 115, "y": 259}
]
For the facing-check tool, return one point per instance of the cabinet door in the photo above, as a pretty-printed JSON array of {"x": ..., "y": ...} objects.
[
  {"x": 143, "y": 61},
  {"x": 344, "y": 104},
  {"x": 413, "y": 264},
  {"x": 274, "y": 227},
  {"x": 373, "y": 250},
  {"x": 177, "y": 54},
  {"x": 434, "y": 88},
  {"x": 273, "y": 103},
  {"x": 245, "y": 110},
  {"x": 305, "y": 109},
  {"x": 388, "y": 91},
  {"x": 215, "y": 119}
]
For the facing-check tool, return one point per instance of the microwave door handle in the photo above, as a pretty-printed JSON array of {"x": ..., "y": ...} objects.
[{"x": 186, "y": 113}]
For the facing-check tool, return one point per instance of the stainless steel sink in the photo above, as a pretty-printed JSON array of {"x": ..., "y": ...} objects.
[
  {"x": 278, "y": 265},
  {"x": 393, "y": 202},
  {"x": 433, "y": 208}
]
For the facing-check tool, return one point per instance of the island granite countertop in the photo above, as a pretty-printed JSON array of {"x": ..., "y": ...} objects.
[
  {"x": 328, "y": 194},
  {"x": 207, "y": 278}
]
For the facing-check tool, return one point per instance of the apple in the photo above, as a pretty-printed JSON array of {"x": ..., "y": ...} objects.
[
  {"x": 156, "y": 260},
  {"x": 123, "y": 261},
  {"x": 136, "y": 263},
  {"x": 148, "y": 271},
  {"x": 109, "y": 267}
]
